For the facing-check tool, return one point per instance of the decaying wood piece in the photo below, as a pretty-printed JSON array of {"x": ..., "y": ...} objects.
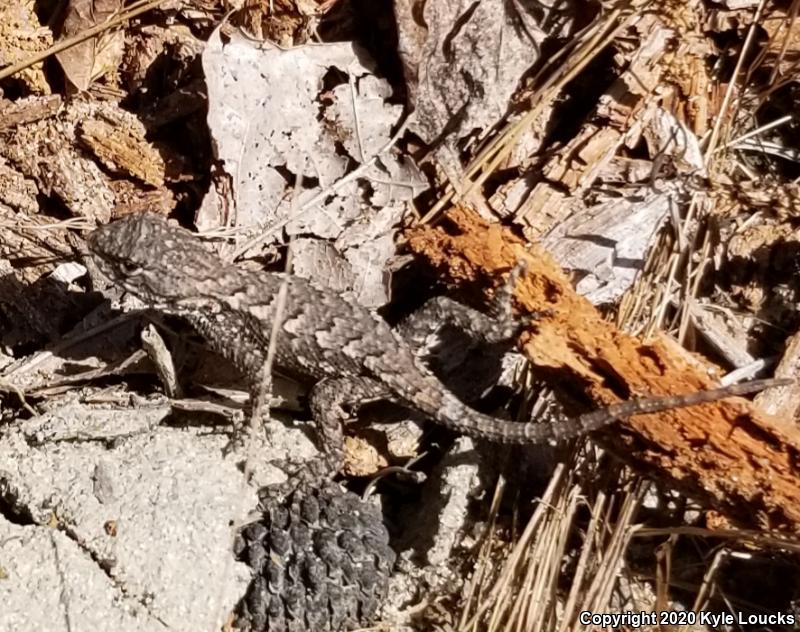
[
  {"x": 623, "y": 114},
  {"x": 784, "y": 401},
  {"x": 728, "y": 455},
  {"x": 603, "y": 238},
  {"x": 23, "y": 35},
  {"x": 28, "y": 110},
  {"x": 119, "y": 143}
]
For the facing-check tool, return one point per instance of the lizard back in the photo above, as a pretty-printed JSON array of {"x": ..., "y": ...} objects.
[{"x": 322, "y": 335}]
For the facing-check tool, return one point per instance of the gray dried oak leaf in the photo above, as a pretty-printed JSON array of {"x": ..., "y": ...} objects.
[{"x": 321, "y": 561}]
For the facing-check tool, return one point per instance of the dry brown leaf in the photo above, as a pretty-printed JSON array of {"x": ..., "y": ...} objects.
[
  {"x": 285, "y": 22},
  {"x": 459, "y": 79},
  {"x": 87, "y": 61},
  {"x": 768, "y": 195}
]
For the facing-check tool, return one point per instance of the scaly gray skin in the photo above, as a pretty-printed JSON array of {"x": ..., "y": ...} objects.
[{"x": 350, "y": 353}]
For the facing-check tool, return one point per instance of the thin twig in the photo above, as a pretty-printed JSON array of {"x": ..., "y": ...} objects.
[
  {"x": 65, "y": 343},
  {"x": 756, "y": 132},
  {"x": 732, "y": 84},
  {"x": 136, "y": 9},
  {"x": 787, "y": 38},
  {"x": 488, "y": 160}
]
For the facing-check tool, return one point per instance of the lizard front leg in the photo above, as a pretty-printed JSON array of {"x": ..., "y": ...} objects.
[
  {"x": 498, "y": 327},
  {"x": 441, "y": 311}
]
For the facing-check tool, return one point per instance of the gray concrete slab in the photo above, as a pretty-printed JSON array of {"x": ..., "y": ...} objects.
[{"x": 144, "y": 514}]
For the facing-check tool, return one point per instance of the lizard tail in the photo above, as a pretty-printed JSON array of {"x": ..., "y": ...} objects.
[{"x": 456, "y": 415}]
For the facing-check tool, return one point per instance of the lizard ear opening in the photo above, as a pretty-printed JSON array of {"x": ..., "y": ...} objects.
[{"x": 130, "y": 270}]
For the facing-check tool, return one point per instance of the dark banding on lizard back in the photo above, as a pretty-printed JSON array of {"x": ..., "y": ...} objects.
[{"x": 323, "y": 336}]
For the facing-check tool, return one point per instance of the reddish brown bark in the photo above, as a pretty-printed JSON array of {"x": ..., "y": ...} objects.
[{"x": 727, "y": 454}]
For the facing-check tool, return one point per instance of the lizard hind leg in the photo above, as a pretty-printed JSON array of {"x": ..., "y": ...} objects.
[{"x": 332, "y": 401}]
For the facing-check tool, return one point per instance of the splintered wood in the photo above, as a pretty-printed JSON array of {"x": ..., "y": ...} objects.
[{"x": 728, "y": 454}]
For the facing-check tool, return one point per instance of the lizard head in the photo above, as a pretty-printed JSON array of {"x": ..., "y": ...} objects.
[{"x": 157, "y": 262}]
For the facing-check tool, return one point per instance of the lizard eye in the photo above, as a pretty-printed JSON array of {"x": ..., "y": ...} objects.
[{"x": 130, "y": 270}]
